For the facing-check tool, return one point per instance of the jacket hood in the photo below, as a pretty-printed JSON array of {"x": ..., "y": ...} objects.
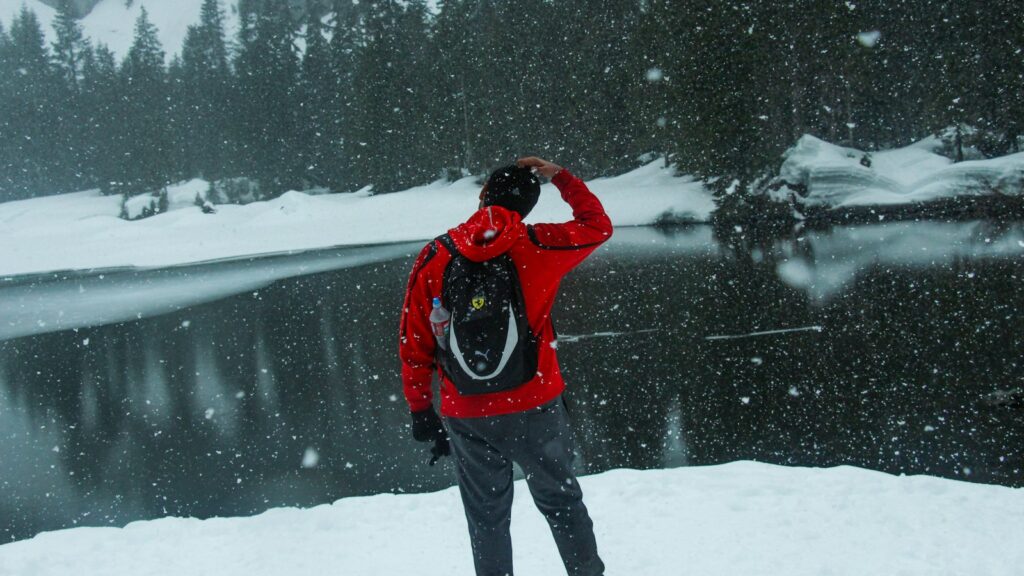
[{"x": 488, "y": 233}]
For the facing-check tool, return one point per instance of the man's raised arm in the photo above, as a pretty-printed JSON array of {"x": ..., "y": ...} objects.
[{"x": 590, "y": 225}]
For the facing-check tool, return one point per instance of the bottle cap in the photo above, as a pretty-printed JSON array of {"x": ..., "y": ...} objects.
[{"x": 437, "y": 302}]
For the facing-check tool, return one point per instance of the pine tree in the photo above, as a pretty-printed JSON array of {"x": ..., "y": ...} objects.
[
  {"x": 1000, "y": 73},
  {"x": 604, "y": 74},
  {"x": 534, "y": 98},
  {"x": 666, "y": 73},
  {"x": 315, "y": 151},
  {"x": 5, "y": 54},
  {"x": 488, "y": 91},
  {"x": 339, "y": 127},
  {"x": 417, "y": 161},
  {"x": 204, "y": 87},
  {"x": 70, "y": 44},
  {"x": 146, "y": 159},
  {"x": 179, "y": 121},
  {"x": 69, "y": 50},
  {"x": 375, "y": 80},
  {"x": 454, "y": 77},
  {"x": 101, "y": 114},
  {"x": 6, "y": 115},
  {"x": 923, "y": 39},
  {"x": 267, "y": 69},
  {"x": 497, "y": 79},
  {"x": 30, "y": 132},
  {"x": 1014, "y": 78}
]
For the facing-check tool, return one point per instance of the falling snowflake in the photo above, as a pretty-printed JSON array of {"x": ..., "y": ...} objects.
[
  {"x": 869, "y": 39},
  {"x": 310, "y": 458}
]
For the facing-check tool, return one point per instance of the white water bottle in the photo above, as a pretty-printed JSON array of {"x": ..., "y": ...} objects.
[{"x": 439, "y": 319}]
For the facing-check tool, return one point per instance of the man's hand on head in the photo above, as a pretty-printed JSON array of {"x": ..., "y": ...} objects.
[{"x": 540, "y": 166}]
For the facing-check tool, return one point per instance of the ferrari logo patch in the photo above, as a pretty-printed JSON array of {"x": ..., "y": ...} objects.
[{"x": 478, "y": 302}]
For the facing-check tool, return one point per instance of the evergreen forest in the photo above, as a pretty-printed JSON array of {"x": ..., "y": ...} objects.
[{"x": 345, "y": 94}]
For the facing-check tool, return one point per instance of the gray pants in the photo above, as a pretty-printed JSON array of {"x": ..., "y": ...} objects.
[{"x": 540, "y": 441}]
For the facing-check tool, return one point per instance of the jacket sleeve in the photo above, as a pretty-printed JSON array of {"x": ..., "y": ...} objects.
[
  {"x": 416, "y": 340},
  {"x": 571, "y": 242}
]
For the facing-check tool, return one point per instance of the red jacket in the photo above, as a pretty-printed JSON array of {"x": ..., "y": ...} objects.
[{"x": 543, "y": 254}]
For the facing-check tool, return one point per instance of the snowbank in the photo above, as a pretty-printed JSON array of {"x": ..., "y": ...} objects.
[
  {"x": 82, "y": 230},
  {"x": 740, "y": 518},
  {"x": 835, "y": 176}
]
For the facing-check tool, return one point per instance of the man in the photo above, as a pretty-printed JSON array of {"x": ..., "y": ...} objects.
[{"x": 524, "y": 419}]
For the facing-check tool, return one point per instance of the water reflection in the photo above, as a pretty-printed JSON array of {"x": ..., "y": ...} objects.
[
  {"x": 824, "y": 263},
  {"x": 214, "y": 409}
]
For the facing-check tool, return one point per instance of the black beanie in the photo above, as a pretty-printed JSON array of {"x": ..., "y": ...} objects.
[{"x": 514, "y": 188}]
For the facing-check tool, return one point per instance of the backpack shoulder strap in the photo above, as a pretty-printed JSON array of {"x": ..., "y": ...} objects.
[{"x": 446, "y": 241}]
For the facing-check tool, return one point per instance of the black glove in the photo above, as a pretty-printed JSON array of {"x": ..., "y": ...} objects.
[
  {"x": 440, "y": 448},
  {"x": 427, "y": 427}
]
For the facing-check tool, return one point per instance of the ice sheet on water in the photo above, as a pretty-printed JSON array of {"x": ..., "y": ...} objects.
[{"x": 44, "y": 305}]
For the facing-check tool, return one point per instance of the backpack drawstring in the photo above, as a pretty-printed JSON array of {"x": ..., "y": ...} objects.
[{"x": 490, "y": 233}]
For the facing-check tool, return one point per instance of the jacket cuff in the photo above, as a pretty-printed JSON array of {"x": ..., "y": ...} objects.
[
  {"x": 562, "y": 178},
  {"x": 419, "y": 398},
  {"x": 420, "y": 404}
]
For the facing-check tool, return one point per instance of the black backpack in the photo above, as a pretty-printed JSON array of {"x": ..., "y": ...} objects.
[{"x": 489, "y": 346}]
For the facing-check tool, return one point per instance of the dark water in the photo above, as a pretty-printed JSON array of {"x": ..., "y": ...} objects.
[{"x": 231, "y": 388}]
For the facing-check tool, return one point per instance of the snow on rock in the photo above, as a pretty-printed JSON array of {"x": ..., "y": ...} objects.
[
  {"x": 183, "y": 195},
  {"x": 136, "y": 206},
  {"x": 82, "y": 230},
  {"x": 835, "y": 176},
  {"x": 740, "y": 518}
]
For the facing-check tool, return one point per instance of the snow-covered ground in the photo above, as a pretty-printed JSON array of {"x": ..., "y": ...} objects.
[
  {"x": 82, "y": 230},
  {"x": 835, "y": 176},
  {"x": 742, "y": 518}
]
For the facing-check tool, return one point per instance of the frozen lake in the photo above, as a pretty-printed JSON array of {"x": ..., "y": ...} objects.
[{"x": 228, "y": 388}]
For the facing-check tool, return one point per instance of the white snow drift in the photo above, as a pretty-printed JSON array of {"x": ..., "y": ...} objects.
[
  {"x": 742, "y": 518},
  {"x": 836, "y": 177},
  {"x": 82, "y": 230}
]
